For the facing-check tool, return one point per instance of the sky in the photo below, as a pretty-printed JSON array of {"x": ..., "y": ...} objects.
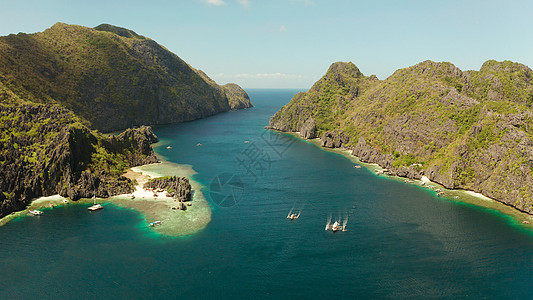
[{"x": 291, "y": 43}]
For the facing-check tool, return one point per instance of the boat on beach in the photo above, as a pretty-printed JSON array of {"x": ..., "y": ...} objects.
[
  {"x": 155, "y": 223},
  {"x": 36, "y": 212}
]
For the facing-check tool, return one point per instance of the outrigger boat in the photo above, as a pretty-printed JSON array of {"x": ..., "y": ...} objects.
[
  {"x": 336, "y": 227},
  {"x": 36, "y": 212},
  {"x": 293, "y": 216}
]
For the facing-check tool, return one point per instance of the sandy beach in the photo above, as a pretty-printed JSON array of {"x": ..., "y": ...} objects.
[
  {"x": 173, "y": 222},
  {"x": 152, "y": 208}
]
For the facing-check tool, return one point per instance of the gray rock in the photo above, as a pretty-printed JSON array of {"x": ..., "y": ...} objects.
[
  {"x": 334, "y": 139},
  {"x": 308, "y": 129}
]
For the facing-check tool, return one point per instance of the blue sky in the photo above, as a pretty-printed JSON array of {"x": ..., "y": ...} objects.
[{"x": 291, "y": 43}]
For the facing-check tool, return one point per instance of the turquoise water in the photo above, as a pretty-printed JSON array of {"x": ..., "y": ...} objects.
[{"x": 401, "y": 241}]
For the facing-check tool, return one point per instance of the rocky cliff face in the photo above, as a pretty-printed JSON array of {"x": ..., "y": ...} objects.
[
  {"x": 177, "y": 187},
  {"x": 46, "y": 150},
  {"x": 467, "y": 130},
  {"x": 111, "y": 77},
  {"x": 59, "y": 85}
]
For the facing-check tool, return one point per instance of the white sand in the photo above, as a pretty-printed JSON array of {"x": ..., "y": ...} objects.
[
  {"x": 174, "y": 222},
  {"x": 479, "y": 195}
]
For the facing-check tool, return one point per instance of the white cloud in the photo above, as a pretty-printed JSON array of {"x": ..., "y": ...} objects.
[
  {"x": 245, "y": 3},
  {"x": 215, "y": 2},
  {"x": 305, "y": 2},
  {"x": 282, "y": 28}
]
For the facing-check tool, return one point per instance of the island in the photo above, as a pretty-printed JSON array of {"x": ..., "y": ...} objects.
[
  {"x": 76, "y": 105},
  {"x": 468, "y": 130}
]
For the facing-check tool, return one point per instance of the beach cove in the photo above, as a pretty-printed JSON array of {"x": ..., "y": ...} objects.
[
  {"x": 174, "y": 223},
  {"x": 463, "y": 197}
]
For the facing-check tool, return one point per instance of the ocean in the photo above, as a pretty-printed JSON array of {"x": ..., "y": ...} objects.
[{"x": 401, "y": 240}]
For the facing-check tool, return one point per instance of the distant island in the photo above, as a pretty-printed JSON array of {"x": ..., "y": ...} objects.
[
  {"x": 467, "y": 130},
  {"x": 59, "y": 89}
]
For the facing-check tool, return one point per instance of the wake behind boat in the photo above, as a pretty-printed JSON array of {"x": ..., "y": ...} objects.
[
  {"x": 293, "y": 216},
  {"x": 337, "y": 225}
]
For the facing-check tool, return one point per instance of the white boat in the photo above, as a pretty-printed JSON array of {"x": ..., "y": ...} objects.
[
  {"x": 36, "y": 212},
  {"x": 169, "y": 147},
  {"x": 155, "y": 223},
  {"x": 95, "y": 206},
  {"x": 336, "y": 227},
  {"x": 293, "y": 216}
]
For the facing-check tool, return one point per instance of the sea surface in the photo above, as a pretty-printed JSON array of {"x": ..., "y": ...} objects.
[{"x": 402, "y": 241}]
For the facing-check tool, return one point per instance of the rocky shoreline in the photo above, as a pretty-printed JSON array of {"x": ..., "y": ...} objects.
[
  {"x": 48, "y": 151},
  {"x": 468, "y": 130},
  {"x": 416, "y": 177}
]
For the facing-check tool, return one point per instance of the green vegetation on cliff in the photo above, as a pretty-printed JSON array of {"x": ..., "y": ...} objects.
[
  {"x": 46, "y": 149},
  {"x": 60, "y": 86},
  {"x": 469, "y": 130},
  {"x": 111, "y": 77}
]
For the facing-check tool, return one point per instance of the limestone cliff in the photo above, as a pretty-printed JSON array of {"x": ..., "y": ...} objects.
[
  {"x": 466, "y": 130},
  {"x": 60, "y": 86},
  {"x": 111, "y": 77},
  {"x": 46, "y": 150}
]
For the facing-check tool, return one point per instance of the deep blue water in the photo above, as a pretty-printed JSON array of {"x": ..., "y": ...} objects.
[{"x": 401, "y": 242}]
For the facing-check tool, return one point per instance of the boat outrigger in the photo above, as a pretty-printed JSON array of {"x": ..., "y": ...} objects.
[
  {"x": 293, "y": 216},
  {"x": 337, "y": 226}
]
